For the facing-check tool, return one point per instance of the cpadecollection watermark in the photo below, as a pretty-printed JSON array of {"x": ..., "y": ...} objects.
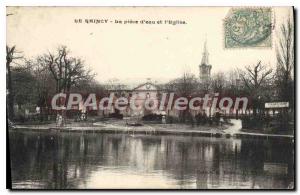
[{"x": 167, "y": 101}]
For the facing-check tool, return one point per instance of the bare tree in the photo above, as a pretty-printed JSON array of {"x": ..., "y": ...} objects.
[
  {"x": 219, "y": 82},
  {"x": 11, "y": 56},
  {"x": 206, "y": 85},
  {"x": 185, "y": 86},
  {"x": 255, "y": 78},
  {"x": 44, "y": 84},
  {"x": 67, "y": 71},
  {"x": 285, "y": 62},
  {"x": 23, "y": 82},
  {"x": 114, "y": 84}
]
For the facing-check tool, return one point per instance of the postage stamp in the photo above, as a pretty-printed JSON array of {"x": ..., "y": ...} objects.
[{"x": 248, "y": 27}]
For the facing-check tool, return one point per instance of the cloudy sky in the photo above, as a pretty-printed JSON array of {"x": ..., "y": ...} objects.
[{"x": 135, "y": 51}]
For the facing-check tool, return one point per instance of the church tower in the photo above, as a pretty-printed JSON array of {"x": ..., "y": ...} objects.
[{"x": 204, "y": 67}]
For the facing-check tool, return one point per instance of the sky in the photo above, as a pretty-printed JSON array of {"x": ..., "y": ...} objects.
[{"x": 135, "y": 52}]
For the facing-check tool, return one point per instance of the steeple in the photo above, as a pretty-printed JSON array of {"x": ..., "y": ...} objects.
[
  {"x": 205, "y": 54},
  {"x": 204, "y": 67}
]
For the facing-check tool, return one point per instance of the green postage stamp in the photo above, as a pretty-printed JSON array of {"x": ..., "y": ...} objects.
[{"x": 248, "y": 27}]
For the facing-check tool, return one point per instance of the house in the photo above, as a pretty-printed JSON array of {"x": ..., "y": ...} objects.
[{"x": 147, "y": 91}]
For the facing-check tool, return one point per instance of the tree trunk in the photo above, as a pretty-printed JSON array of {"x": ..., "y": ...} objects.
[{"x": 10, "y": 97}]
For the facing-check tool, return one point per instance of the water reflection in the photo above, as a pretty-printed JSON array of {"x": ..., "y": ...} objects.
[{"x": 66, "y": 160}]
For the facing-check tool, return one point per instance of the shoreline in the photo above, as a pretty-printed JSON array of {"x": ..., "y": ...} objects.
[{"x": 152, "y": 130}]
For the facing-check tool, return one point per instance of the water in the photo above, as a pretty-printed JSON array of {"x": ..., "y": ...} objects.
[{"x": 75, "y": 160}]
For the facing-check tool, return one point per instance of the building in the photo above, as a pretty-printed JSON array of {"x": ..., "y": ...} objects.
[
  {"x": 146, "y": 91},
  {"x": 140, "y": 94},
  {"x": 150, "y": 91},
  {"x": 204, "y": 67}
]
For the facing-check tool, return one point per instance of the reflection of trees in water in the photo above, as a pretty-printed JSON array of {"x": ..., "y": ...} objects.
[
  {"x": 65, "y": 160},
  {"x": 256, "y": 153}
]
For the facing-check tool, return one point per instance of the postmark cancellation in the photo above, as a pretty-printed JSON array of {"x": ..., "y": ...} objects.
[{"x": 248, "y": 27}]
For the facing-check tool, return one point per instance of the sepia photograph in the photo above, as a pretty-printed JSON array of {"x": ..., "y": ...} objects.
[{"x": 172, "y": 98}]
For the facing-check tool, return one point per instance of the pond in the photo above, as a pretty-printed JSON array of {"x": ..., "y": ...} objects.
[{"x": 105, "y": 161}]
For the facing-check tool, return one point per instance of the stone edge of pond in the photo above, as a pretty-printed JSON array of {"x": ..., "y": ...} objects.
[{"x": 153, "y": 132}]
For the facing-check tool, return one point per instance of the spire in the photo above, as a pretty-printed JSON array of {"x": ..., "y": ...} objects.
[{"x": 205, "y": 54}]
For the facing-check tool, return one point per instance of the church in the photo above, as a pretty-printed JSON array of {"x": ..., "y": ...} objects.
[
  {"x": 204, "y": 67},
  {"x": 149, "y": 90}
]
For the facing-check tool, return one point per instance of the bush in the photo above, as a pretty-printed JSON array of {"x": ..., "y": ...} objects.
[
  {"x": 152, "y": 117},
  {"x": 171, "y": 119},
  {"x": 116, "y": 115}
]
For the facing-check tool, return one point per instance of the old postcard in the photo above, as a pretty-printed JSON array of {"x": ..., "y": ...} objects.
[{"x": 150, "y": 97}]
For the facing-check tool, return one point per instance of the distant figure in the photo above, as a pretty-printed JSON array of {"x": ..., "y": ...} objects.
[
  {"x": 267, "y": 120},
  {"x": 38, "y": 113},
  {"x": 222, "y": 121},
  {"x": 204, "y": 118},
  {"x": 59, "y": 120},
  {"x": 26, "y": 113},
  {"x": 199, "y": 118},
  {"x": 38, "y": 110},
  {"x": 83, "y": 111},
  {"x": 217, "y": 117},
  {"x": 83, "y": 115},
  {"x": 163, "y": 119}
]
